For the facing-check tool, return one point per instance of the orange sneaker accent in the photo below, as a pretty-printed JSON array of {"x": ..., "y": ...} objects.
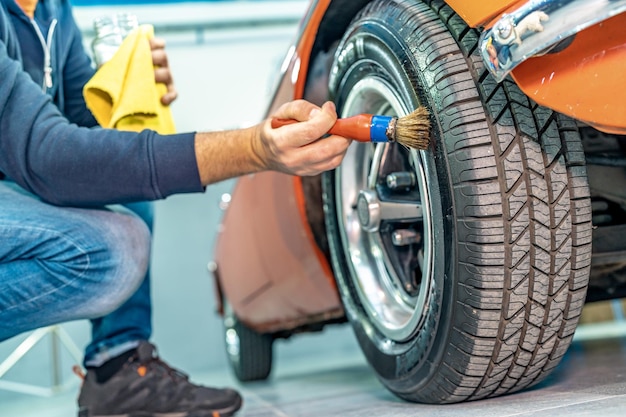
[
  {"x": 142, "y": 371},
  {"x": 216, "y": 414},
  {"x": 78, "y": 371}
]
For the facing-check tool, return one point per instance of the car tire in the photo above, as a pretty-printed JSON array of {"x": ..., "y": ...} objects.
[
  {"x": 249, "y": 352},
  {"x": 463, "y": 269}
]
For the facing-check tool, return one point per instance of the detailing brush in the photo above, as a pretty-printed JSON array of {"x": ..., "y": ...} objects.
[{"x": 412, "y": 130}]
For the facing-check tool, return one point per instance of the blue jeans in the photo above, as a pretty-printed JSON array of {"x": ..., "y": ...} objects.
[{"x": 59, "y": 264}]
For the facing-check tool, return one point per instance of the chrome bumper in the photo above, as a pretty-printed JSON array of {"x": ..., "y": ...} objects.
[{"x": 538, "y": 27}]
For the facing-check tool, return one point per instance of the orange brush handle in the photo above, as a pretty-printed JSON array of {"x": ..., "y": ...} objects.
[{"x": 355, "y": 127}]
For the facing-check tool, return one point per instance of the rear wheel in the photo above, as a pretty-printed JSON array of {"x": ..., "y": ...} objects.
[
  {"x": 249, "y": 352},
  {"x": 463, "y": 269}
]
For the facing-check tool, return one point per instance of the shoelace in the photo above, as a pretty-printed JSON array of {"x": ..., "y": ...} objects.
[
  {"x": 175, "y": 374},
  {"x": 187, "y": 389}
]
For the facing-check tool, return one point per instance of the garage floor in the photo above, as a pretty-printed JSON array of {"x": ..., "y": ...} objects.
[
  {"x": 591, "y": 381},
  {"x": 224, "y": 79}
]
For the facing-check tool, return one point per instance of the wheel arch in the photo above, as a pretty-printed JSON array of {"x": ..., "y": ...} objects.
[{"x": 312, "y": 85}]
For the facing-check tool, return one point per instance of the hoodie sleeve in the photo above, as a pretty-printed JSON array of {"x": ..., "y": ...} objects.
[{"x": 69, "y": 165}]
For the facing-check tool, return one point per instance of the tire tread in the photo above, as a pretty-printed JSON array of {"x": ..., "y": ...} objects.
[
  {"x": 545, "y": 259},
  {"x": 521, "y": 211}
]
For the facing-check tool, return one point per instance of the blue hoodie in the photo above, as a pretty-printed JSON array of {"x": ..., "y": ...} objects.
[{"x": 53, "y": 150}]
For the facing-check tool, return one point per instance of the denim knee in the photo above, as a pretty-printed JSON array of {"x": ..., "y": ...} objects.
[{"x": 121, "y": 262}]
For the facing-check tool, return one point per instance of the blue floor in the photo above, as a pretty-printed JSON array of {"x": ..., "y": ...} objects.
[{"x": 224, "y": 79}]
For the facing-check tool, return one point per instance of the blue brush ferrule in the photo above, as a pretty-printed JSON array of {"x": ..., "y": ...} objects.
[{"x": 378, "y": 128}]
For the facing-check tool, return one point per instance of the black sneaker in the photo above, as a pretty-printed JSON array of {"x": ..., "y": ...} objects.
[{"x": 147, "y": 387}]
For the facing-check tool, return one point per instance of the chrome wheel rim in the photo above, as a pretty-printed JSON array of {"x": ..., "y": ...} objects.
[{"x": 386, "y": 231}]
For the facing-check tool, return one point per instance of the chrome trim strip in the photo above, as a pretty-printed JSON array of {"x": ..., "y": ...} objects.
[{"x": 537, "y": 27}]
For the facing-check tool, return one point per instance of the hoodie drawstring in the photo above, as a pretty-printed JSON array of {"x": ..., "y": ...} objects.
[{"x": 46, "y": 44}]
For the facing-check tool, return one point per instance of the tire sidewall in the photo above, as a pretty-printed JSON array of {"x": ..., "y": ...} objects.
[{"x": 419, "y": 356}]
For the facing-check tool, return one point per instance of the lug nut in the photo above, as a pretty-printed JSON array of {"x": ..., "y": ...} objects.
[
  {"x": 405, "y": 237},
  {"x": 400, "y": 180}
]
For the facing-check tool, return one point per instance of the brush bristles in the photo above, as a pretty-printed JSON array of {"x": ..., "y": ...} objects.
[{"x": 413, "y": 130}]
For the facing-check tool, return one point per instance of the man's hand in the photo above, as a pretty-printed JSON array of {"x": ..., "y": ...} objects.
[
  {"x": 162, "y": 73},
  {"x": 296, "y": 149},
  {"x": 301, "y": 148}
]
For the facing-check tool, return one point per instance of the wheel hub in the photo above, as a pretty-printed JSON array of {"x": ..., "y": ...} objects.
[{"x": 368, "y": 208}]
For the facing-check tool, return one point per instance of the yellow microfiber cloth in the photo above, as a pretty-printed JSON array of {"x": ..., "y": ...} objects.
[{"x": 123, "y": 95}]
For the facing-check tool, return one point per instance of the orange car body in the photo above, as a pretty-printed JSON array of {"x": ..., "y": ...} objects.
[{"x": 280, "y": 279}]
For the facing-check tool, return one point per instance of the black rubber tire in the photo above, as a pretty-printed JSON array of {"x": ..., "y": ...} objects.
[
  {"x": 510, "y": 210},
  {"x": 249, "y": 352}
]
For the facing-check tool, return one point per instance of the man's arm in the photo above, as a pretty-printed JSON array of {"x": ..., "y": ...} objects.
[{"x": 69, "y": 165}]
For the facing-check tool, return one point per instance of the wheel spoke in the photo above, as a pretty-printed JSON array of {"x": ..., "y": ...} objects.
[{"x": 401, "y": 211}]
